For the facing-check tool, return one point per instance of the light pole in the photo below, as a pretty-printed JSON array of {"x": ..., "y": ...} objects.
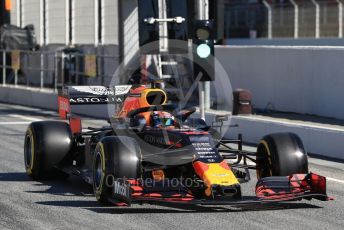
[
  {"x": 267, "y": 5},
  {"x": 340, "y": 18},
  {"x": 296, "y": 18},
  {"x": 317, "y": 18},
  {"x": 203, "y": 87}
]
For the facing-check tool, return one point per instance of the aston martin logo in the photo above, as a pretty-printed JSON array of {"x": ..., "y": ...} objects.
[
  {"x": 103, "y": 91},
  {"x": 95, "y": 90}
]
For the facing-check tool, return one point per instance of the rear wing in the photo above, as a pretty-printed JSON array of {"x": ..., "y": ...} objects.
[{"x": 85, "y": 99}]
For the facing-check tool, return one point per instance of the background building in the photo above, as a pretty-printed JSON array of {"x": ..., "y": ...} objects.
[
  {"x": 109, "y": 29},
  {"x": 93, "y": 26}
]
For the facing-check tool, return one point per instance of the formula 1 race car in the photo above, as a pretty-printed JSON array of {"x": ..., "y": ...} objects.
[{"x": 155, "y": 151}]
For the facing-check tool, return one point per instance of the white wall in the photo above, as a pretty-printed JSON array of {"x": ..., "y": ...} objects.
[
  {"x": 56, "y": 21},
  {"x": 131, "y": 29},
  {"x": 83, "y": 22},
  {"x": 306, "y": 80},
  {"x": 31, "y": 15},
  {"x": 110, "y": 22},
  {"x": 317, "y": 139},
  {"x": 14, "y": 13}
]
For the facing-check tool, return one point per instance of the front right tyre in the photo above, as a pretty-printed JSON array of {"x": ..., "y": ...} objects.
[{"x": 281, "y": 154}]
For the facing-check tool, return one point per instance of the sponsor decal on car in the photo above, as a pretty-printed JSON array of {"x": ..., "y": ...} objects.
[
  {"x": 91, "y": 100},
  {"x": 155, "y": 140},
  {"x": 103, "y": 91},
  {"x": 204, "y": 149},
  {"x": 121, "y": 190}
]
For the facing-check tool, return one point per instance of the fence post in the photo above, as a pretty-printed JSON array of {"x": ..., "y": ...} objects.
[
  {"x": 3, "y": 67},
  {"x": 77, "y": 65},
  {"x": 317, "y": 18},
  {"x": 16, "y": 78},
  {"x": 42, "y": 70},
  {"x": 28, "y": 64},
  {"x": 296, "y": 18},
  {"x": 100, "y": 66},
  {"x": 56, "y": 71},
  {"x": 340, "y": 18},
  {"x": 266, "y": 4}
]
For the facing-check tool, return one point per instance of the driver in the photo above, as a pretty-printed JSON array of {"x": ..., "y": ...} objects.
[{"x": 161, "y": 119}]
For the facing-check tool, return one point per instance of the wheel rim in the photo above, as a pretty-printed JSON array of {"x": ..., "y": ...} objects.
[
  {"x": 98, "y": 171},
  {"x": 265, "y": 161},
  {"x": 28, "y": 152},
  {"x": 264, "y": 166}
]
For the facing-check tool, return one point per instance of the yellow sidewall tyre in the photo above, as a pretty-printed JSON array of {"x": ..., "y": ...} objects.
[{"x": 281, "y": 154}]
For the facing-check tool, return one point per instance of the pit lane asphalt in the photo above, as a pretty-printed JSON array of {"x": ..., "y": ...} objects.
[{"x": 27, "y": 204}]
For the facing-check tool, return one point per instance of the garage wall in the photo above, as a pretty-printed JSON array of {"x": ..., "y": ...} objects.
[
  {"x": 110, "y": 22},
  {"x": 131, "y": 29},
  {"x": 14, "y": 13},
  {"x": 56, "y": 21},
  {"x": 307, "y": 80},
  {"x": 83, "y": 23},
  {"x": 31, "y": 15}
]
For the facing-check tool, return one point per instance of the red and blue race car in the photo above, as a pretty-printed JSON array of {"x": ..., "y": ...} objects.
[{"x": 155, "y": 151}]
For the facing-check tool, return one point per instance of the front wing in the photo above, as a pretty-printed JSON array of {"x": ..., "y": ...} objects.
[{"x": 268, "y": 190}]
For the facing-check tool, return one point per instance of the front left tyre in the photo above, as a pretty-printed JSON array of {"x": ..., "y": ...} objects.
[{"x": 47, "y": 143}]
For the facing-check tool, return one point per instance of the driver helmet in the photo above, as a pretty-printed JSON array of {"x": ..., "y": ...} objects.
[{"x": 160, "y": 119}]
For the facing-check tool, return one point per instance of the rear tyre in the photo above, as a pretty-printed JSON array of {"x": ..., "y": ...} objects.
[
  {"x": 46, "y": 144},
  {"x": 114, "y": 157},
  {"x": 281, "y": 154}
]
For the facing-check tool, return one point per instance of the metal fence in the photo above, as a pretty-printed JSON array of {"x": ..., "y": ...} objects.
[
  {"x": 42, "y": 69},
  {"x": 284, "y": 19}
]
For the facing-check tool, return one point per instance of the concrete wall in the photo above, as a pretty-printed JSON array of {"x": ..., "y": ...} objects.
[
  {"x": 306, "y": 80},
  {"x": 317, "y": 139},
  {"x": 29, "y": 97}
]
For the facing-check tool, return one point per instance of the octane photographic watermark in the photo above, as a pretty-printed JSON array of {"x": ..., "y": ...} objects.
[{"x": 175, "y": 183}]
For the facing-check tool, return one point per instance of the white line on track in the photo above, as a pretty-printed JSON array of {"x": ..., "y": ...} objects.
[
  {"x": 15, "y": 123},
  {"x": 25, "y": 118},
  {"x": 335, "y": 180}
]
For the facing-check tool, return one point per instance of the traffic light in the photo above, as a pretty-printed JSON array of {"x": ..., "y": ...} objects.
[{"x": 203, "y": 50}]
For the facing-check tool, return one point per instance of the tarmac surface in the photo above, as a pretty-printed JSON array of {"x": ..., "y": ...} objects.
[{"x": 70, "y": 204}]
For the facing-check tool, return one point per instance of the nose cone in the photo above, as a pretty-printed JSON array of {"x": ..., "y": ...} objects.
[{"x": 216, "y": 174}]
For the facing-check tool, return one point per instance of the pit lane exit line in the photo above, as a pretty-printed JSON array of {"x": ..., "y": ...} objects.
[
  {"x": 15, "y": 123},
  {"x": 335, "y": 180},
  {"x": 26, "y": 118}
]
